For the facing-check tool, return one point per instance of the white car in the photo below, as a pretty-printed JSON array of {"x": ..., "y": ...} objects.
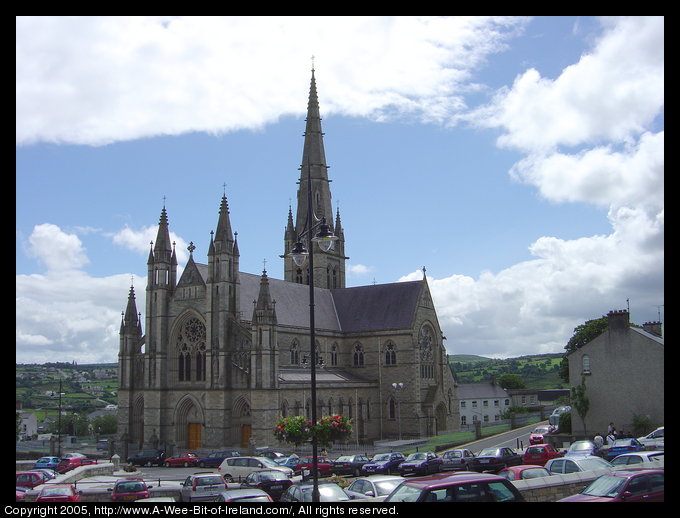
[
  {"x": 375, "y": 486},
  {"x": 653, "y": 440},
  {"x": 639, "y": 459},
  {"x": 238, "y": 468},
  {"x": 562, "y": 465}
]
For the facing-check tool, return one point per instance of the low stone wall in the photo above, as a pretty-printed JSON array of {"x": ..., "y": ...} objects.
[
  {"x": 554, "y": 487},
  {"x": 73, "y": 476}
]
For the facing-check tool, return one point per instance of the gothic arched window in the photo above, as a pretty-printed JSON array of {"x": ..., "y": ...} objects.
[
  {"x": 390, "y": 355},
  {"x": 334, "y": 355},
  {"x": 294, "y": 353},
  {"x": 358, "y": 360},
  {"x": 190, "y": 342}
]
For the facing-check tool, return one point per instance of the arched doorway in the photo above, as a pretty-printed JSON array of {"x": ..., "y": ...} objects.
[
  {"x": 189, "y": 423},
  {"x": 242, "y": 421}
]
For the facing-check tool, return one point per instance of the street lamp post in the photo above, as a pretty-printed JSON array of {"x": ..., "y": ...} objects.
[
  {"x": 398, "y": 387},
  {"x": 325, "y": 239}
]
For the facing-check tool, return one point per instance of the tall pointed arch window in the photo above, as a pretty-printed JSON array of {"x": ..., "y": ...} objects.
[
  {"x": 390, "y": 354},
  {"x": 358, "y": 357},
  {"x": 334, "y": 355},
  {"x": 426, "y": 345},
  {"x": 191, "y": 350},
  {"x": 294, "y": 353}
]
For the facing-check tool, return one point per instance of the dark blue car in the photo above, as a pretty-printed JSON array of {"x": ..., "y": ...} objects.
[
  {"x": 215, "y": 458},
  {"x": 386, "y": 463},
  {"x": 421, "y": 463}
]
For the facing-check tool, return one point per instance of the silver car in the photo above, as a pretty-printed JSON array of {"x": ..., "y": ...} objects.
[
  {"x": 237, "y": 468},
  {"x": 376, "y": 486},
  {"x": 202, "y": 486},
  {"x": 458, "y": 459},
  {"x": 576, "y": 464}
]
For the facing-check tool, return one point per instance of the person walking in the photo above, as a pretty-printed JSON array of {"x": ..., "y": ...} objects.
[{"x": 598, "y": 440}]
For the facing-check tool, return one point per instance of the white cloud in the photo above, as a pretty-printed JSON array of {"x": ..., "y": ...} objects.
[
  {"x": 56, "y": 249},
  {"x": 359, "y": 270},
  {"x": 96, "y": 80}
]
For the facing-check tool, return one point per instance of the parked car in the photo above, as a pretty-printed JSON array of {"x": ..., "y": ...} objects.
[
  {"x": 540, "y": 454},
  {"x": 147, "y": 458},
  {"x": 495, "y": 459},
  {"x": 184, "y": 459},
  {"x": 458, "y": 459},
  {"x": 202, "y": 486},
  {"x": 103, "y": 444},
  {"x": 387, "y": 463},
  {"x": 238, "y": 468},
  {"x": 31, "y": 479},
  {"x": 328, "y": 492},
  {"x": 537, "y": 434},
  {"x": 524, "y": 472},
  {"x": 376, "y": 486},
  {"x": 620, "y": 446},
  {"x": 421, "y": 463},
  {"x": 349, "y": 465},
  {"x": 639, "y": 459},
  {"x": 47, "y": 462},
  {"x": 21, "y": 493},
  {"x": 575, "y": 464},
  {"x": 129, "y": 489},
  {"x": 49, "y": 473},
  {"x": 70, "y": 463},
  {"x": 289, "y": 462},
  {"x": 58, "y": 493},
  {"x": 623, "y": 486},
  {"x": 581, "y": 448},
  {"x": 243, "y": 495},
  {"x": 266, "y": 451},
  {"x": 215, "y": 458},
  {"x": 324, "y": 465},
  {"x": 653, "y": 440},
  {"x": 456, "y": 487},
  {"x": 271, "y": 481}
]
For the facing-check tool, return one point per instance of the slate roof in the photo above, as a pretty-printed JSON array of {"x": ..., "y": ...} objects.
[
  {"x": 480, "y": 390},
  {"x": 376, "y": 307}
]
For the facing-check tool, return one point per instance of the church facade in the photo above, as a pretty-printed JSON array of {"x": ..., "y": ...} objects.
[{"x": 224, "y": 354}]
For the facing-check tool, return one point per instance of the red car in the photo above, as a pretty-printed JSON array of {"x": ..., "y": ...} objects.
[
  {"x": 623, "y": 486},
  {"x": 524, "y": 472},
  {"x": 30, "y": 479},
  {"x": 323, "y": 463},
  {"x": 540, "y": 454},
  {"x": 128, "y": 490},
  {"x": 69, "y": 463},
  {"x": 184, "y": 459},
  {"x": 537, "y": 434},
  {"x": 59, "y": 493}
]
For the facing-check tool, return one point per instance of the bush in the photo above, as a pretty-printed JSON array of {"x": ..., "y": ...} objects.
[{"x": 565, "y": 423}]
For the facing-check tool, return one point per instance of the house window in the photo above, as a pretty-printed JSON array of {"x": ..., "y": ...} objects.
[
  {"x": 462, "y": 404},
  {"x": 586, "y": 364},
  {"x": 463, "y": 420},
  {"x": 496, "y": 403},
  {"x": 485, "y": 403},
  {"x": 474, "y": 404}
]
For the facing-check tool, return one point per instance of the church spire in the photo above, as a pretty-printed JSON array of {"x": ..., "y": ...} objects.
[{"x": 162, "y": 249}]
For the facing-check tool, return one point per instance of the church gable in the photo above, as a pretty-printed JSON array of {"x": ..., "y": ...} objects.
[{"x": 191, "y": 276}]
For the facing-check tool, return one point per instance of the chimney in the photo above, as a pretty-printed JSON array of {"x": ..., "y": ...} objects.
[
  {"x": 618, "y": 319},
  {"x": 652, "y": 328}
]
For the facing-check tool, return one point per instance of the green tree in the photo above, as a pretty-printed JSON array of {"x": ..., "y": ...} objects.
[
  {"x": 582, "y": 335},
  {"x": 104, "y": 424},
  {"x": 580, "y": 401},
  {"x": 511, "y": 381}
]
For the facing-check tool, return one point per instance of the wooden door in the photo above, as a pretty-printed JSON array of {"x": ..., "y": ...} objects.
[
  {"x": 246, "y": 430},
  {"x": 194, "y": 436}
]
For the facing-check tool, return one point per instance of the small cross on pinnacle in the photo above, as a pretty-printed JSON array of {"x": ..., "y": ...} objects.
[{"x": 191, "y": 247}]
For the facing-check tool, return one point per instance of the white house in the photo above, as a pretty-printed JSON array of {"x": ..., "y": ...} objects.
[{"x": 483, "y": 402}]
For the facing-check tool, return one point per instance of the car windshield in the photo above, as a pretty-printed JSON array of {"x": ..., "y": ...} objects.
[
  {"x": 416, "y": 456},
  {"x": 622, "y": 442},
  {"x": 581, "y": 445},
  {"x": 489, "y": 452},
  {"x": 208, "y": 481},
  {"x": 386, "y": 486},
  {"x": 606, "y": 485},
  {"x": 344, "y": 459},
  {"x": 56, "y": 491},
  {"x": 273, "y": 475},
  {"x": 269, "y": 462},
  {"x": 327, "y": 493},
  {"x": 535, "y": 473},
  {"x": 540, "y": 429},
  {"x": 381, "y": 456},
  {"x": 592, "y": 464},
  {"x": 130, "y": 487},
  {"x": 453, "y": 453}
]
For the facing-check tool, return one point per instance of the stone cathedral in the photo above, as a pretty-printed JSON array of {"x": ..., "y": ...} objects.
[{"x": 224, "y": 353}]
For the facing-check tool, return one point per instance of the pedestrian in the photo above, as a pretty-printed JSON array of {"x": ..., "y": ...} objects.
[
  {"x": 610, "y": 428},
  {"x": 611, "y": 437},
  {"x": 598, "y": 440}
]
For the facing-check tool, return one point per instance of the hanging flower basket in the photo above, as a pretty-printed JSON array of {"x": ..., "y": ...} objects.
[{"x": 299, "y": 429}]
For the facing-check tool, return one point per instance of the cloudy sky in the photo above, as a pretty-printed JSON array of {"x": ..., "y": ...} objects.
[{"x": 519, "y": 160}]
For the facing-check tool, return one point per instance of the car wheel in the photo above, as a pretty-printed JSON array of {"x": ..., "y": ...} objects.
[
  {"x": 186, "y": 464},
  {"x": 357, "y": 472},
  {"x": 167, "y": 464},
  {"x": 228, "y": 478},
  {"x": 201, "y": 464},
  {"x": 148, "y": 463}
]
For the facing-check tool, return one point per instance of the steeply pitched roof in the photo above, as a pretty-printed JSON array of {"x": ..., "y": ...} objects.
[
  {"x": 377, "y": 307},
  {"x": 480, "y": 390}
]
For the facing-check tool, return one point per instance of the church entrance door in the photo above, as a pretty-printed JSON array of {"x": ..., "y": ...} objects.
[
  {"x": 246, "y": 431},
  {"x": 193, "y": 436}
]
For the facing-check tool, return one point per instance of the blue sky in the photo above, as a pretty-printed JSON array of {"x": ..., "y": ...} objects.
[{"x": 520, "y": 160}]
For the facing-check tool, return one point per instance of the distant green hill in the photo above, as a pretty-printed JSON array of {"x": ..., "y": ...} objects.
[{"x": 540, "y": 371}]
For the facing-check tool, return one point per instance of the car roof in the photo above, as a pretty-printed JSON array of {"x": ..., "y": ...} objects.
[{"x": 442, "y": 479}]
